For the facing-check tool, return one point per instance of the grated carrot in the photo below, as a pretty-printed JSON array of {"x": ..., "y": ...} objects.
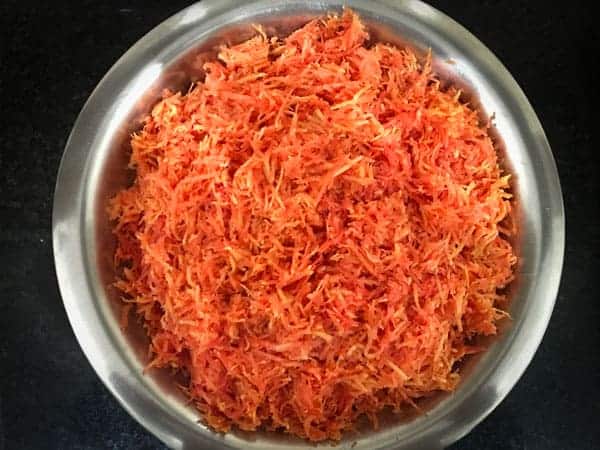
[{"x": 316, "y": 231}]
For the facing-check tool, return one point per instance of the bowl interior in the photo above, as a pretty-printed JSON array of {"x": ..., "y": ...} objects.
[{"x": 172, "y": 57}]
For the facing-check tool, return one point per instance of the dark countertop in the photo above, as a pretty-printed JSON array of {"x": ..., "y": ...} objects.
[{"x": 52, "y": 54}]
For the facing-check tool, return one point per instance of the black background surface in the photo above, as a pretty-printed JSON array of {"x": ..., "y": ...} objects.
[{"x": 52, "y": 54}]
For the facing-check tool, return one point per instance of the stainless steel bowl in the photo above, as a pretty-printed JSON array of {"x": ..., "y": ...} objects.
[{"x": 94, "y": 167}]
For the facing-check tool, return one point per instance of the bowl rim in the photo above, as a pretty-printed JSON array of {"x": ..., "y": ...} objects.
[{"x": 77, "y": 282}]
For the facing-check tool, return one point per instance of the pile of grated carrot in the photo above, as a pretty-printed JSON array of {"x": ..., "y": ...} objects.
[{"x": 316, "y": 232}]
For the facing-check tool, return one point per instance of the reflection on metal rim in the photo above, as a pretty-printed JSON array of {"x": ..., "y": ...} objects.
[{"x": 171, "y": 55}]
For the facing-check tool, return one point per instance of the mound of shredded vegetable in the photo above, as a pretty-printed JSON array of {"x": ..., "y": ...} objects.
[{"x": 317, "y": 231}]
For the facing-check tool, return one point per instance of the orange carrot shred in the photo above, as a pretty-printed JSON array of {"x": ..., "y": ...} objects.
[{"x": 316, "y": 232}]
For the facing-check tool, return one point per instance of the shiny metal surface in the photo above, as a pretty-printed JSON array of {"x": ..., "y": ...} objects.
[{"x": 171, "y": 55}]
